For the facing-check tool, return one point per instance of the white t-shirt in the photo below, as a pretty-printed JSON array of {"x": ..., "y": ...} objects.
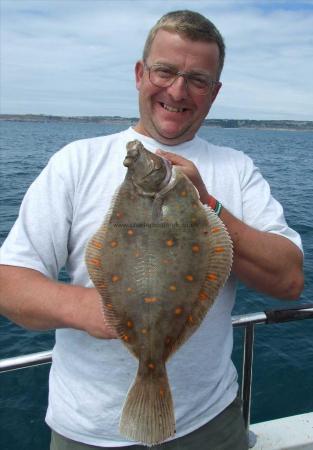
[{"x": 64, "y": 206}]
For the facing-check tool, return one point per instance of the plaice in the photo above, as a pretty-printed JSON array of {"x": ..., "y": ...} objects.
[{"x": 158, "y": 261}]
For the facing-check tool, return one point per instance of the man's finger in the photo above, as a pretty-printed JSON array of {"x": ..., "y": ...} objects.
[{"x": 172, "y": 157}]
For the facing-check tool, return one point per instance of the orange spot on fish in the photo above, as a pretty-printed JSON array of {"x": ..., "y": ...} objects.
[
  {"x": 173, "y": 288},
  {"x": 183, "y": 193},
  {"x": 115, "y": 278},
  {"x": 151, "y": 366},
  {"x": 102, "y": 285},
  {"x": 161, "y": 392},
  {"x": 170, "y": 242},
  {"x": 96, "y": 244},
  {"x": 130, "y": 232},
  {"x": 195, "y": 248},
  {"x": 109, "y": 305},
  {"x": 189, "y": 277},
  {"x": 194, "y": 220},
  {"x": 137, "y": 253},
  {"x": 130, "y": 324},
  {"x": 144, "y": 331},
  {"x": 129, "y": 289},
  {"x": 195, "y": 205},
  {"x": 95, "y": 262},
  {"x": 126, "y": 338},
  {"x": 178, "y": 311},
  {"x": 203, "y": 296},
  {"x": 150, "y": 299},
  {"x": 114, "y": 244},
  {"x": 212, "y": 277},
  {"x": 190, "y": 319},
  {"x": 215, "y": 230},
  {"x": 219, "y": 250}
]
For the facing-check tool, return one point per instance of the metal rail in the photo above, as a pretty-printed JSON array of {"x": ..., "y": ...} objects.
[
  {"x": 248, "y": 321},
  {"x": 24, "y": 361}
]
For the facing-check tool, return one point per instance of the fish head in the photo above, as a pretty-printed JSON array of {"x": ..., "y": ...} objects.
[{"x": 148, "y": 172}]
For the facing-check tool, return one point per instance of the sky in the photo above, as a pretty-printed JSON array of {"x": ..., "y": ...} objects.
[{"x": 76, "y": 58}]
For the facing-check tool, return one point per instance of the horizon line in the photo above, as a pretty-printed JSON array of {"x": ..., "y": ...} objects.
[{"x": 137, "y": 118}]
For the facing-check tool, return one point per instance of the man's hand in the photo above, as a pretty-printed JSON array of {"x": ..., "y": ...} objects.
[
  {"x": 32, "y": 300},
  {"x": 93, "y": 320},
  {"x": 189, "y": 169}
]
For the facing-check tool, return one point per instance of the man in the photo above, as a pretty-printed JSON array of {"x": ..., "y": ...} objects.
[{"x": 177, "y": 80}]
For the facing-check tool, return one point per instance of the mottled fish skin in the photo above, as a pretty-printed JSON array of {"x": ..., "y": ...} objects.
[{"x": 158, "y": 262}]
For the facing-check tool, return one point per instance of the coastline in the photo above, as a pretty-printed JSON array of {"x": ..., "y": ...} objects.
[{"x": 292, "y": 125}]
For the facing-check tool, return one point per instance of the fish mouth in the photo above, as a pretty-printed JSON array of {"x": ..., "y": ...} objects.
[
  {"x": 148, "y": 174},
  {"x": 172, "y": 108}
]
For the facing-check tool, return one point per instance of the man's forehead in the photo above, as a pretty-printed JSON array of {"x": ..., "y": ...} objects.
[
  {"x": 173, "y": 37},
  {"x": 170, "y": 47}
]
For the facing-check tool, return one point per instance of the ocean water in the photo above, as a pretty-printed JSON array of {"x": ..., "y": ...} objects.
[{"x": 283, "y": 357}]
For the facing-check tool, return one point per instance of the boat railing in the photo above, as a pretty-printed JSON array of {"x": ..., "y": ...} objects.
[{"x": 247, "y": 321}]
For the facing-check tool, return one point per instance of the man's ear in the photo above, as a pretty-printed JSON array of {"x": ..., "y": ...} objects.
[{"x": 139, "y": 70}]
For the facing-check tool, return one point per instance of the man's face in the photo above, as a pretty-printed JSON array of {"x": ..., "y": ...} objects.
[{"x": 173, "y": 115}]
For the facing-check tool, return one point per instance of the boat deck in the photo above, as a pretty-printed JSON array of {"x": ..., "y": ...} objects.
[{"x": 288, "y": 433}]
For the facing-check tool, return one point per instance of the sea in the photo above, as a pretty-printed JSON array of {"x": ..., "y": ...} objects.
[{"x": 283, "y": 353}]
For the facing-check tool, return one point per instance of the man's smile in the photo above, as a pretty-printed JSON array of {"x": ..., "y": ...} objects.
[{"x": 172, "y": 108}]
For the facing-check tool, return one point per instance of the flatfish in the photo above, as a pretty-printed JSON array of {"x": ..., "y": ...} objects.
[{"x": 158, "y": 262}]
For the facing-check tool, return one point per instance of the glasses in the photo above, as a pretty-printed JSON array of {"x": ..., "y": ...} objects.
[{"x": 164, "y": 76}]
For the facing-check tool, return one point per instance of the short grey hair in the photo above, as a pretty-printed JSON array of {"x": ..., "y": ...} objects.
[{"x": 189, "y": 24}]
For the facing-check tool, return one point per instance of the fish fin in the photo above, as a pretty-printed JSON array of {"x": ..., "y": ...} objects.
[
  {"x": 93, "y": 259},
  {"x": 217, "y": 273},
  {"x": 219, "y": 267},
  {"x": 148, "y": 413}
]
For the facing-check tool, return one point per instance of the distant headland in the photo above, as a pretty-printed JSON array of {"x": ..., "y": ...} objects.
[{"x": 304, "y": 125}]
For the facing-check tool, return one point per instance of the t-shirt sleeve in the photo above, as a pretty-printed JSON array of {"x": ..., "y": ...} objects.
[
  {"x": 260, "y": 209},
  {"x": 39, "y": 237}
]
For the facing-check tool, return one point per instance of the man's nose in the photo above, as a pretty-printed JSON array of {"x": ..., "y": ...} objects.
[{"x": 179, "y": 89}]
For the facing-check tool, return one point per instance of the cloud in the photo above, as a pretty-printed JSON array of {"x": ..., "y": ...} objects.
[{"x": 77, "y": 57}]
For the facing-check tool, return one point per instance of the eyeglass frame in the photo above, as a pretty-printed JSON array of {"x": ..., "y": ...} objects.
[{"x": 180, "y": 73}]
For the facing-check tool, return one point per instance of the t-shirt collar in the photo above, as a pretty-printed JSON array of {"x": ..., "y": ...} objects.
[{"x": 152, "y": 145}]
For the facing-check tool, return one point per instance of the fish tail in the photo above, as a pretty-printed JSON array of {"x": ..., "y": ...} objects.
[{"x": 148, "y": 413}]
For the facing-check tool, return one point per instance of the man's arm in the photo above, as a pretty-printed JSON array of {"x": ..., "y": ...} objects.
[
  {"x": 263, "y": 261},
  {"x": 32, "y": 300}
]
